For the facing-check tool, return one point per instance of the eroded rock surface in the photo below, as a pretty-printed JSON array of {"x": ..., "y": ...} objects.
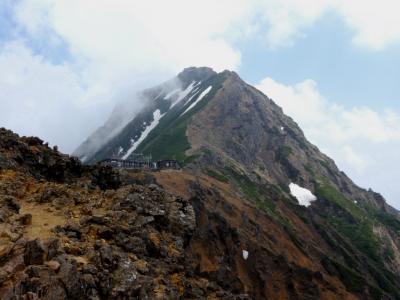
[{"x": 84, "y": 235}]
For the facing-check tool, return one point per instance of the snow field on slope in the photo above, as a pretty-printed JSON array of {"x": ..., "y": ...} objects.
[
  {"x": 156, "y": 119},
  {"x": 202, "y": 95},
  {"x": 304, "y": 196},
  {"x": 182, "y": 94}
]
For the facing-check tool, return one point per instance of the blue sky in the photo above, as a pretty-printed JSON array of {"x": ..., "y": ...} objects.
[
  {"x": 332, "y": 65},
  {"x": 349, "y": 75}
]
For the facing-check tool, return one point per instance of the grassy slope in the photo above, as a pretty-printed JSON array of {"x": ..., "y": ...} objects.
[
  {"x": 135, "y": 127},
  {"x": 348, "y": 229},
  {"x": 354, "y": 224},
  {"x": 168, "y": 139}
]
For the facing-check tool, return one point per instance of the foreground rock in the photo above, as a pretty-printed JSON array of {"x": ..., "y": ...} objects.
[
  {"x": 82, "y": 235},
  {"x": 69, "y": 231},
  {"x": 133, "y": 245}
]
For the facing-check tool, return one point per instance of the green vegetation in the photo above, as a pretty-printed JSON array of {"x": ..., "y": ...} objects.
[
  {"x": 283, "y": 152},
  {"x": 354, "y": 281},
  {"x": 123, "y": 139},
  {"x": 167, "y": 142},
  {"x": 276, "y": 188},
  {"x": 355, "y": 223},
  {"x": 258, "y": 194},
  {"x": 385, "y": 218},
  {"x": 325, "y": 164},
  {"x": 388, "y": 252},
  {"x": 217, "y": 175},
  {"x": 46, "y": 157},
  {"x": 299, "y": 210},
  {"x": 357, "y": 230},
  {"x": 361, "y": 236},
  {"x": 190, "y": 159},
  {"x": 309, "y": 169},
  {"x": 246, "y": 185},
  {"x": 284, "y": 187},
  {"x": 327, "y": 192},
  {"x": 168, "y": 139}
]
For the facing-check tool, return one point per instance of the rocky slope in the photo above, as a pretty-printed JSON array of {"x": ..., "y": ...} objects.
[
  {"x": 251, "y": 167},
  {"x": 74, "y": 232},
  {"x": 95, "y": 233},
  {"x": 257, "y": 212}
]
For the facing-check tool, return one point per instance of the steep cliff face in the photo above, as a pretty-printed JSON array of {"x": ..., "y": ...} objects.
[
  {"x": 243, "y": 138},
  {"x": 244, "y": 126}
]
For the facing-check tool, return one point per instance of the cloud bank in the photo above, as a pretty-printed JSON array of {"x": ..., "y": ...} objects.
[
  {"x": 375, "y": 25},
  {"x": 67, "y": 55},
  {"x": 69, "y": 61}
]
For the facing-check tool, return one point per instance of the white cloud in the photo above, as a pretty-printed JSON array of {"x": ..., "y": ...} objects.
[
  {"x": 126, "y": 35},
  {"x": 39, "y": 97},
  {"x": 121, "y": 36},
  {"x": 375, "y": 23},
  {"x": 115, "y": 48},
  {"x": 358, "y": 161},
  {"x": 304, "y": 102},
  {"x": 127, "y": 44},
  {"x": 286, "y": 19},
  {"x": 362, "y": 141}
]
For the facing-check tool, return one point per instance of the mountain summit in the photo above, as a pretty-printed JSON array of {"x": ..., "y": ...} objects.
[
  {"x": 127, "y": 128},
  {"x": 203, "y": 118},
  {"x": 255, "y": 212},
  {"x": 346, "y": 238}
]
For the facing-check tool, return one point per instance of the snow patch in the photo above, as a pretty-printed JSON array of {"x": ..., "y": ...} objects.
[
  {"x": 120, "y": 150},
  {"x": 184, "y": 93},
  {"x": 156, "y": 119},
  {"x": 245, "y": 254},
  {"x": 202, "y": 95},
  {"x": 173, "y": 92},
  {"x": 304, "y": 196},
  {"x": 195, "y": 93},
  {"x": 159, "y": 95}
]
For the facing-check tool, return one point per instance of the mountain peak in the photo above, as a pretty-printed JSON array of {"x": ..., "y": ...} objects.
[
  {"x": 251, "y": 154},
  {"x": 196, "y": 74},
  {"x": 229, "y": 73}
]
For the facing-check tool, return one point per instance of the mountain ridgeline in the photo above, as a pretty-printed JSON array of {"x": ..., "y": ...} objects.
[
  {"x": 256, "y": 212},
  {"x": 216, "y": 124},
  {"x": 206, "y": 119}
]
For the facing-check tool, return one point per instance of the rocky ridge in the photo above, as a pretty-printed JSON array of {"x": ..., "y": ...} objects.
[
  {"x": 85, "y": 233},
  {"x": 226, "y": 226},
  {"x": 241, "y": 153}
]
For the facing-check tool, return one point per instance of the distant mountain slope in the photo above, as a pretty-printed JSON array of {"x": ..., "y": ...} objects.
[
  {"x": 125, "y": 131},
  {"x": 218, "y": 126}
]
